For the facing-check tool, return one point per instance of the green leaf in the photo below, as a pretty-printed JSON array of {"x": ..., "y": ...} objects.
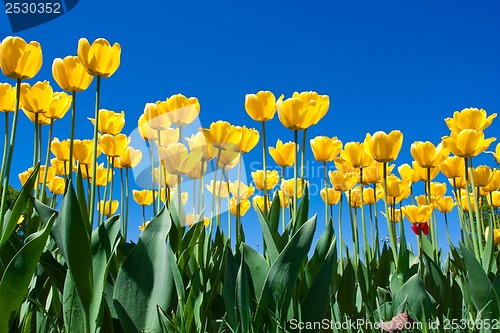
[
  {"x": 243, "y": 295},
  {"x": 282, "y": 276},
  {"x": 16, "y": 210},
  {"x": 229, "y": 288},
  {"x": 418, "y": 300},
  {"x": 82, "y": 199},
  {"x": 257, "y": 266},
  {"x": 438, "y": 286},
  {"x": 274, "y": 216},
  {"x": 18, "y": 274},
  {"x": 488, "y": 253},
  {"x": 75, "y": 319},
  {"x": 346, "y": 295},
  {"x": 482, "y": 292},
  {"x": 145, "y": 281},
  {"x": 55, "y": 271},
  {"x": 303, "y": 210},
  {"x": 75, "y": 243},
  {"x": 271, "y": 249}
]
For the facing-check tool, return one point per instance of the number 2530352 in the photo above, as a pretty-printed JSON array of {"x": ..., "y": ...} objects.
[{"x": 32, "y": 8}]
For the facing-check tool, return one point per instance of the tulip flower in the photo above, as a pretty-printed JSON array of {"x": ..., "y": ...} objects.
[
  {"x": 179, "y": 109},
  {"x": 288, "y": 187},
  {"x": 221, "y": 134},
  {"x": 469, "y": 118},
  {"x": 283, "y": 154},
  {"x": 110, "y": 122},
  {"x": 167, "y": 179},
  {"x": 458, "y": 182},
  {"x": 37, "y": 118},
  {"x": 467, "y": 143},
  {"x": 143, "y": 197},
  {"x": 318, "y": 105},
  {"x": 258, "y": 201},
  {"x": 394, "y": 215},
  {"x": 272, "y": 179},
  {"x": 59, "y": 105},
  {"x": 325, "y": 149},
  {"x": 407, "y": 173},
  {"x": 427, "y": 155},
  {"x": 496, "y": 154},
  {"x": 445, "y": 204},
  {"x": 369, "y": 196},
  {"x": 229, "y": 158},
  {"x": 108, "y": 207},
  {"x": 423, "y": 173},
  {"x": 199, "y": 142},
  {"x": 284, "y": 201},
  {"x": 354, "y": 154},
  {"x": 113, "y": 146},
  {"x": 494, "y": 199},
  {"x": 493, "y": 183},
  {"x": 56, "y": 185},
  {"x": 145, "y": 131},
  {"x": 130, "y": 158},
  {"x": 420, "y": 228},
  {"x": 36, "y": 98},
  {"x": 83, "y": 151},
  {"x": 333, "y": 196},
  {"x": 100, "y": 58},
  {"x": 144, "y": 225},
  {"x": 260, "y": 106},
  {"x": 198, "y": 171},
  {"x": 7, "y": 97},
  {"x": 249, "y": 139},
  {"x": 102, "y": 176},
  {"x": 156, "y": 117},
  {"x": 482, "y": 175},
  {"x": 220, "y": 189},
  {"x": 383, "y": 147},
  {"x": 343, "y": 181},
  {"x": 240, "y": 191},
  {"x": 452, "y": 167},
  {"x": 464, "y": 202},
  {"x": 417, "y": 214},
  {"x": 496, "y": 235},
  {"x": 244, "y": 206},
  {"x": 177, "y": 160},
  {"x": 168, "y": 136},
  {"x": 70, "y": 74},
  {"x": 18, "y": 59},
  {"x": 60, "y": 149},
  {"x": 354, "y": 197},
  {"x": 292, "y": 113},
  {"x": 62, "y": 167},
  {"x": 438, "y": 189}
]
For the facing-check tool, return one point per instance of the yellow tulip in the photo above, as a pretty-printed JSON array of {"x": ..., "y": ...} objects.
[
  {"x": 229, "y": 158},
  {"x": 325, "y": 149},
  {"x": 60, "y": 165},
  {"x": 482, "y": 175},
  {"x": 20, "y": 220},
  {"x": 453, "y": 167},
  {"x": 249, "y": 139},
  {"x": 130, "y": 158},
  {"x": 395, "y": 186},
  {"x": 417, "y": 214},
  {"x": 56, "y": 185},
  {"x": 407, "y": 173},
  {"x": 244, "y": 206},
  {"x": 343, "y": 181},
  {"x": 496, "y": 235},
  {"x": 156, "y": 116},
  {"x": 458, "y": 182},
  {"x": 36, "y": 98},
  {"x": 145, "y": 131},
  {"x": 293, "y": 113},
  {"x": 177, "y": 160},
  {"x": 318, "y": 106},
  {"x": 284, "y": 201},
  {"x": 18, "y": 59},
  {"x": 70, "y": 74},
  {"x": 445, "y": 204},
  {"x": 354, "y": 197},
  {"x": 354, "y": 154},
  {"x": 23, "y": 176},
  {"x": 163, "y": 196},
  {"x": 467, "y": 143},
  {"x": 333, "y": 196},
  {"x": 60, "y": 104},
  {"x": 220, "y": 190},
  {"x": 464, "y": 204},
  {"x": 168, "y": 136},
  {"x": 272, "y": 178},
  {"x": 113, "y": 146},
  {"x": 143, "y": 197},
  {"x": 108, "y": 207},
  {"x": 144, "y": 225},
  {"x": 241, "y": 191},
  {"x": 258, "y": 201},
  {"x": 60, "y": 149},
  {"x": 493, "y": 183},
  {"x": 369, "y": 196},
  {"x": 422, "y": 173},
  {"x": 100, "y": 58},
  {"x": 469, "y": 118},
  {"x": 110, "y": 122},
  {"x": 427, "y": 155},
  {"x": 494, "y": 199},
  {"x": 283, "y": 154},
  {"x": 384, "y": 147},
  {"x": 42, "y": 120},
  {"x": 394, "y": 215},
  {"x": 179, "y": 109},
  {"x": 496, "y": 154},
  {"x": 199, "y": 142},
  {"x": 51, "y": 173},
  {"x": 197, "y": 171},
  {"x": 102, "y": 177},
  {"x": 261, "y": 106},
  {"x": 7, "y": 98},
  {"x": 373, "y": 173},
  {"x": 82, "y": 151},
  {"x": 222, "y": 135},
  {"x": 167, "y": 178},
  {"x": 438, "y": 189},
  {"x": 287, "y": 187}
]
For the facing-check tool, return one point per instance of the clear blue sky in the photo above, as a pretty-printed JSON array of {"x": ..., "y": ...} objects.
[{"x": 385, "y": 64}]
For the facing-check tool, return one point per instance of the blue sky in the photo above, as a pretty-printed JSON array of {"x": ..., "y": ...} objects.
[{"x": 385, "y": 64}]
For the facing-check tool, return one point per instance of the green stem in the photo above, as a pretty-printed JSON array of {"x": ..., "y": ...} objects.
[
  {"x": 72, "y": 135},
  {"x": 283, "y": 217},
  {"x": 392, "y": 236},
  {"x": 153, "y": 176},
  {"x": 160, "y": 173},
  {"x": 476, "y": 209},
  {"x": 127, "y": 202},
  {"x": 94, "y": 153},
  {"x": 341, "y": 242},
  {"x": 303, "y": 153},
  {"x": 122, "y": 197},
  {"x": 475, "y": 236},
  {"x": 238, "y": 208},
  {"x": 264, "y": 160},
  {"x": 363, "y": 222},
  {"x": 105, "y": 192},
  {"x": 326, "y": 192},
  {"x": 295, "y": 172},
  {"x": 47, "y": 159},
  {"x": 5, "y": 145},
  {"x": 143, "y": 215}
]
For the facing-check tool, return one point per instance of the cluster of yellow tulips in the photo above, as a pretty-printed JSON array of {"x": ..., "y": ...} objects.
[{"x": 362, "y": 169}]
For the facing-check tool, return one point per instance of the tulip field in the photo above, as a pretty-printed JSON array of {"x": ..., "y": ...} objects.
[{"x": 68, "y": 262}]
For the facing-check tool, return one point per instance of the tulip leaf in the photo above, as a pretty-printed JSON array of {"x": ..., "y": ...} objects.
[
  {"x": 82, "y": 199},
  {"x": 274, "y": 216},
  {"x": 75, "y": 241},
  {"x": 271, "y": 249},
  {"x": 55, "y": 271},
  {"x": 438, "y": 287},
  {"x": 282, "y": 276},
  {"x": 103, "y": 243},
  {"x": 418, "y": 301},
  {"x": 229, "y": 288},
  {"x": 145, "y": 281},
  {"x": 257, "y": 266},
  {"x": 75, "y": 319},
  {"x": 482, "y": 292},
  {"x": 303, "y": 210},
  {"x": 18, "y": 275},
  {"x": 488, "y": 253},
  {"x": 320, "y": 252},
  {"x": 14, "y": 212},
  {"x": 243, "y": 295},
  {"x": 346, "y": 295}
]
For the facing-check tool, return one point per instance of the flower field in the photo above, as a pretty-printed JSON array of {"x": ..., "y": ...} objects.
[{"x": 67, "y": 263}]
